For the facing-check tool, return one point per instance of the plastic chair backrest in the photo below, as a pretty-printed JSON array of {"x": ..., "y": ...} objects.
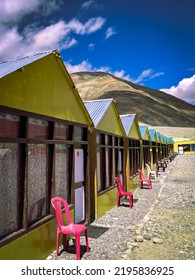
[
  {"x": 119, "y": 185},
  {"x": 148, "y": 167},
  {"x": 141, "y": 174},
  {"x": 58, "y": 204}
]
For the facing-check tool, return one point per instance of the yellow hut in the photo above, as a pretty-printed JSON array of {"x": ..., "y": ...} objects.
[
  {"x": 184, "y": 145},
  {"x": 106, "y": 154},
  {"x": 43, "y": 153},
  {"x": 145, "y": 145},
  {"x": 132, "y": 149}
]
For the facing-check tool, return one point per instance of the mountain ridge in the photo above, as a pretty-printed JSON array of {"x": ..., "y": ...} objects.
[{"x": 152, "y": 106}]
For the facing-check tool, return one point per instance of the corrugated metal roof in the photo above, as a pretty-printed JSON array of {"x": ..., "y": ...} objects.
[
  {"x": 97, "y": 109},
  {"x": 127, "y": 121},
  {"x": 8, "y": 67},
  {"x": 152, "y": 134},
  {"x": 143, "y": 130}
]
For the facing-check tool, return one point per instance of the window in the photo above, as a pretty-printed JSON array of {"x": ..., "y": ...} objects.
[
  {"x": 37, "y": 129},
  {"x": 36, "y": 161},
  {"x": 61, "y": 171},
  {"x": 134, "y": 156},
  {"x": 109, "y": 160},
  {"x": 37, "y": 181},
  {"x": 192, "y": 147},
  {"x": 9, "y": 157},
  {"x": 80, "y": 134},
  {"x": 9, "y": 125},
  {"x": 61, "y": 131}
]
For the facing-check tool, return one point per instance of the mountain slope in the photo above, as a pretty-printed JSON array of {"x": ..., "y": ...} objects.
[{"x": 151, "y": 106}]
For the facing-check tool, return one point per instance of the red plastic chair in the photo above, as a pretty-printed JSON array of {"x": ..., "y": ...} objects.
[
  {"x": 142, "y": 180},
  {"x": 121, "y": 193},
  {"x": 58, "y": 204}
]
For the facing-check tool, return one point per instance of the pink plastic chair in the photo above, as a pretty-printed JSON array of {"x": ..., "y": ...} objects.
[
  {"x": 142, "y": 179},
  {"x": 121, "y": 193},
  {"x": 70, "y": 229}
]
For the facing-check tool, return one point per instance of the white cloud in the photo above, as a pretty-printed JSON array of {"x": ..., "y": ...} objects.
[
  {"x": 122, "y": 74},
  {"x": 91, "y": 4},
  {"x": 49, "y": 36},
  {"x": 185, "y": 90},
  {"x": 55, "y": 36},
  {"x": 147, "y": 74},
  {"x": 88, "y": 4},
  {"x": 12, "y": 9},
  {"x": 91, "y": 26},
  {"x": 110, "y": 31},
  {"x": 84, "y": 66},
  {"x": 91, "y": 46}
]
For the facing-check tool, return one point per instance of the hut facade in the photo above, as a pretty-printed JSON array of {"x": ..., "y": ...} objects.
[
  {"x": 43, "y": 153},
  {"x": 106, "y": 154}
]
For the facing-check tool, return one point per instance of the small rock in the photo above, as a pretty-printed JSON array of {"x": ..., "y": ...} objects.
[
  {"x": 131, "y": 245},
  {"x": 138, "y": 232},
  {"x": 147, "y": 236},
  {"x": 139, "y": 238},
  {"x": 126, "y": 257},
  {"x": 157, "y": 240},
  {"x": 128, "y": 252}
]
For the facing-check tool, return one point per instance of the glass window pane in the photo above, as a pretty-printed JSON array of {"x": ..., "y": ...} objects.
[
  {"x": 8, "y": 188},
  {"x": 61, "y": 131},
  {"x": 116, "y": 141},
  {"x": 192, "y": 147},
  {"x": 101, "y": 168},
  {"x": 121, "y": 141},
  {"x": 77, "y": 133},
  {"x": 9, "y": 125},
  {"x": 61, "y": 171},
  {"x": 37, "y": 166},
  {"x": 37, "y": 129},
  {"x": 102, "y": 139},
  {"x": 80, "y": 133}
]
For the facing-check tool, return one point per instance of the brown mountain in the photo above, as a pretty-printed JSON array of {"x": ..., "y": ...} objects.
[{"x": 153, "y": 107}]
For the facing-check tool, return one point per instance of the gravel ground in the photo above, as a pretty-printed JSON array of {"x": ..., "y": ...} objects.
[{"x": 161, "y": 224}]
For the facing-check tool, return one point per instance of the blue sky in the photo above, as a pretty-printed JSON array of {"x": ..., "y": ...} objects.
[{"x": 149, "y": 42}]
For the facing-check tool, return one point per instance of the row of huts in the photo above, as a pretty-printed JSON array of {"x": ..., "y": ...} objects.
[{"x": 52, "y": 143}]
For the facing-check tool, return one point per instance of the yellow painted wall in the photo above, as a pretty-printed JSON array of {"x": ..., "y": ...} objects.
[
  {"x": 38, "y": 244},
  {"x": 106, "y": 201},
  {"x": 134, "y": 132},
  {"x": 111, "y": 122},
  {"x": 134, "y": 184},
  {"x": 146, "y": 135},
  {"x": 181, "y": 141},
  {"x": 43, "y": 87}
]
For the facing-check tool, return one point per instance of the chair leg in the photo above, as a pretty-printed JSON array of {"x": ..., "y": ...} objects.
[
  {"x": 57, "y": 243},
  {"x": 149, "y": 184},
  {"x": 78, "y": 246},
  {"x": 64, "y": 241},
  {"x": 131, "y": 199},
  {"x": 86, "y": 240}
]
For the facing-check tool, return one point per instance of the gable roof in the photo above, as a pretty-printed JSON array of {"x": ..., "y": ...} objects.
[
  {"x": 104, "y": 115},
  {"x": 10, "y": 66},
  {"x": 97, "y": 109},
  {"x": 29, "y": 83},
  {"x": 131, "y": 125},
  {"x": 145, "y": 133},
  {"x": 153, "y": 135}
]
